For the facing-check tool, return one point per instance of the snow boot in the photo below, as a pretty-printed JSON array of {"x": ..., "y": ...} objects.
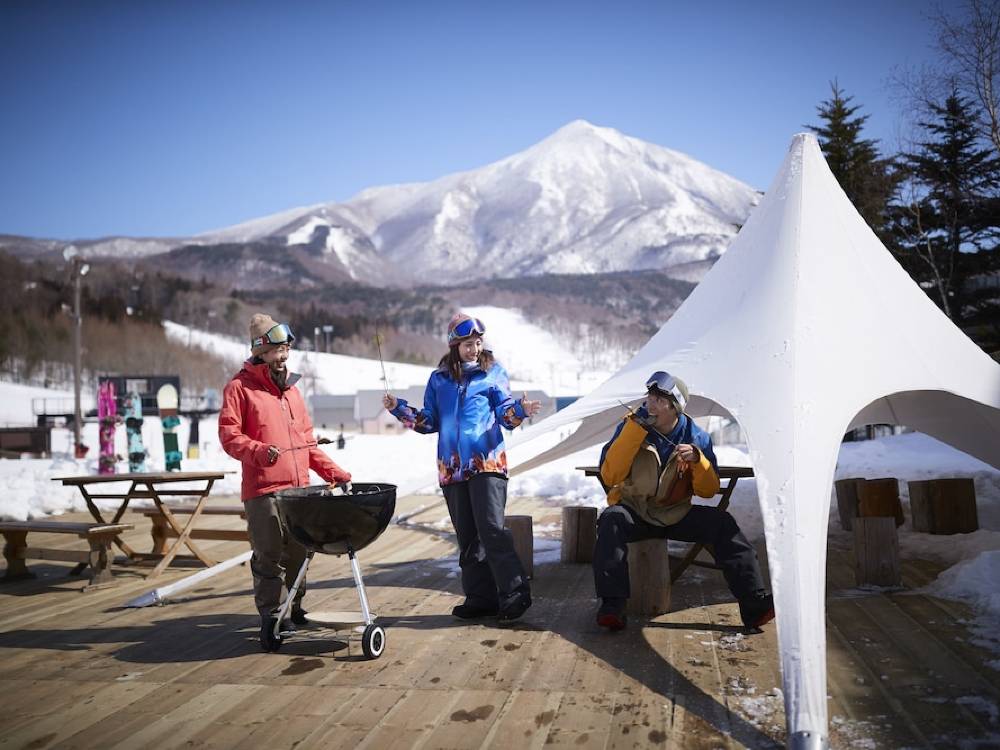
[
  {"x": 611, "y": 614},
  {"x": 757, "y": 612},
  {"x": 515, "y": 604},
  {"x": 466, "y": 611}
]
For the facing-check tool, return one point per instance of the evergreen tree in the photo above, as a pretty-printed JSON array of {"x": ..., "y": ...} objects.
[
  {"x": 949, "y": 223},
  {"x": 867, "y": 179}
]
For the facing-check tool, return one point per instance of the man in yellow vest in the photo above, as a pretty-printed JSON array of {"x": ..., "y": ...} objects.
[{"x": 656, "y": 461}]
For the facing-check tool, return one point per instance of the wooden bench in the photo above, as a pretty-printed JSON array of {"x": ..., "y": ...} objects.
[
  {"x": 162, "y": 530},
  {"x": 99, "y": 536}
]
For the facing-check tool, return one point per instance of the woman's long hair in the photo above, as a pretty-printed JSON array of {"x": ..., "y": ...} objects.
[{"x": 451, "y": 363}]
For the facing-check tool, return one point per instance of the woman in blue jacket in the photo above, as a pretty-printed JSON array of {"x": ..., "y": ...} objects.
[{"x": 466, "y": 400}]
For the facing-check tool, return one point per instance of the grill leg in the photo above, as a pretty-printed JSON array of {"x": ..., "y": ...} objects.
[
  {"x": 356, "y": 569},
  {"x": 287, "y": 604}
]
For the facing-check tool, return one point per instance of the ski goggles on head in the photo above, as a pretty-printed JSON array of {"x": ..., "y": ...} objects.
[
  {"x": 466, "y": 328},
  {"x": 280, "y": 334},
  {"x": 666, "y": 384}
]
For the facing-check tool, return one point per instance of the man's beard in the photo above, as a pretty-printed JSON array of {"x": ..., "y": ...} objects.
[{"x": 279, "y": 376}]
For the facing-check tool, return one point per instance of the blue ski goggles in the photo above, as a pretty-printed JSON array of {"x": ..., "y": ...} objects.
[
  {"x": 280, "y": 334},
  {"x": 666, "y": 384},
  {"x": 467, "y": 328}
]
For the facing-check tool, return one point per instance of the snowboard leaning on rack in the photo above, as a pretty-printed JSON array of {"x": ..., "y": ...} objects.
[
  {"x": 106, "y": 416},
  {"x": 166, "y": 402},
  {"x": 133, "y": 428}
]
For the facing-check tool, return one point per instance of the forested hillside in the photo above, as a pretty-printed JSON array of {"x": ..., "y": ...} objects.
[{"x": 601, "y": 317}]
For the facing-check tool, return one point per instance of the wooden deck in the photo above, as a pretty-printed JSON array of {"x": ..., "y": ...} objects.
[{"x": 78, "y": 670}]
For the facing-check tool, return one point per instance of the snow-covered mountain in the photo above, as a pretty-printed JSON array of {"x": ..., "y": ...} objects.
[{"x": 586, "y": 199}]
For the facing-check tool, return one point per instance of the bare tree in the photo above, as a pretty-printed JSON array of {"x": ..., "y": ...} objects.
[{"x": 970, "y": 47}]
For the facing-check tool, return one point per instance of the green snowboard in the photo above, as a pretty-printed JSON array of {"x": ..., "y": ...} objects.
[{"x": 166, "y": 402}]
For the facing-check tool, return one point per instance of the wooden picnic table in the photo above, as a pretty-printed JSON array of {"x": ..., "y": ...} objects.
[
  {"x": 679, "y": 564},
  {"x": 151, "y": 486}
]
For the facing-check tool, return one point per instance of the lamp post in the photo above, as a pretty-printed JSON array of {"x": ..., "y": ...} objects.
[
  {"x": 328, "y": 332},
  {"x": 79, "y": 270}
]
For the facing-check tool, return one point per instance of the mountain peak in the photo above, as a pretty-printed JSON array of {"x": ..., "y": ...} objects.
[
  {"x": 579, "y": 127},
  {"x": 583, "y": 131}
]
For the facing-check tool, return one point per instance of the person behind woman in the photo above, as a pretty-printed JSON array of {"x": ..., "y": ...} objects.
[{"x": 466, "y": 400}]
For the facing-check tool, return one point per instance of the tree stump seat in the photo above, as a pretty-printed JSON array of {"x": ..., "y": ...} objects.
[
  {"x": 524, "y": 541},
  {"x": 649, "y": 578},
  {"x": 579, "y": 534},
  {"x": 944, "y": 506},
  {"x": 876, "y": 552},
  {"x": 859, "y": 497}
]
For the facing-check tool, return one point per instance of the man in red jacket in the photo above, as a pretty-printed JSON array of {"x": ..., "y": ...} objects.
[{"x": 264, "y": 424}]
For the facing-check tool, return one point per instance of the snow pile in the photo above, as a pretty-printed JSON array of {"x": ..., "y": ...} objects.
[{"x": 974, "y": 580}]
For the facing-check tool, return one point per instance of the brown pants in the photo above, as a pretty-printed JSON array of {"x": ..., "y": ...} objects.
[{"x": 277, "y": 557}]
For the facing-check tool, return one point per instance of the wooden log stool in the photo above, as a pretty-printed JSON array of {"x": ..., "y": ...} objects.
[
  {"x": 880, "y": 498},
  {"x": 876, "y": 551},
  {"x": 524, "y": 541},
  {"x": 944, "y": 506},
  {"x": 649, "y": 578},
  {"x": 579, "y": 534},
  {"x": 847, "y": 500}
]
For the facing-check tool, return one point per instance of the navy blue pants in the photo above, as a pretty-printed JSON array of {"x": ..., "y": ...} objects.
[
  {"x": 490, "y": 566},
  {"x": 618, "y": 525}
]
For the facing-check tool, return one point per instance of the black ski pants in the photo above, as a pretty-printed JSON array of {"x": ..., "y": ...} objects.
[
  {"x": 618, "y": 525},
  {"x": 490, "y": 567}
]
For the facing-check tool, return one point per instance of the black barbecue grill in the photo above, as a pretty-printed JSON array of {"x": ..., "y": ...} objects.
[{"x": 336, "y": 523}]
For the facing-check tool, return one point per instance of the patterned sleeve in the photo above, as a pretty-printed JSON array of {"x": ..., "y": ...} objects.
[
  {"x": 508, "y": 411},
  {"x": 424, "y": 420}
]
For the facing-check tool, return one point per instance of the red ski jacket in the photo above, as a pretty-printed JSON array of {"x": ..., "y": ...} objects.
[{"x": 256, "y": 415}]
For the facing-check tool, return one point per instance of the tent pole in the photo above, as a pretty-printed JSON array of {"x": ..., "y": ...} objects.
[{"x": 808, "y": 741}]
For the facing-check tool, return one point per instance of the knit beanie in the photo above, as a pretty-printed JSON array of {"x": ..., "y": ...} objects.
[{"x": 260, "y": 323}]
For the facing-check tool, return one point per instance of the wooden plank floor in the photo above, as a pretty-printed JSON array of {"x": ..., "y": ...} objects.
[{"x": 77, "y": 670}]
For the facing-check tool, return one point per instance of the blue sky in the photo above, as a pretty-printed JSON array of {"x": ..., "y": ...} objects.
[{"x": 173, "y": 118}]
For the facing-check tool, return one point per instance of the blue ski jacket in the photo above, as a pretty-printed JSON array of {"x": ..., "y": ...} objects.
[{"x": 466, "y": 416}]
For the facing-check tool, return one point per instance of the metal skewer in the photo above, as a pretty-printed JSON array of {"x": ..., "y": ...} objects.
[{"x": 378, "y": 345}]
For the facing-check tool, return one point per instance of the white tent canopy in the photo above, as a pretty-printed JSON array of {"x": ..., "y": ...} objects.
[{"x": 804, "y": 328}]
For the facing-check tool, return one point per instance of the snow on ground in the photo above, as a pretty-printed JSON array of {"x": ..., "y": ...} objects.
[{"x": 408, "y": 460}]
